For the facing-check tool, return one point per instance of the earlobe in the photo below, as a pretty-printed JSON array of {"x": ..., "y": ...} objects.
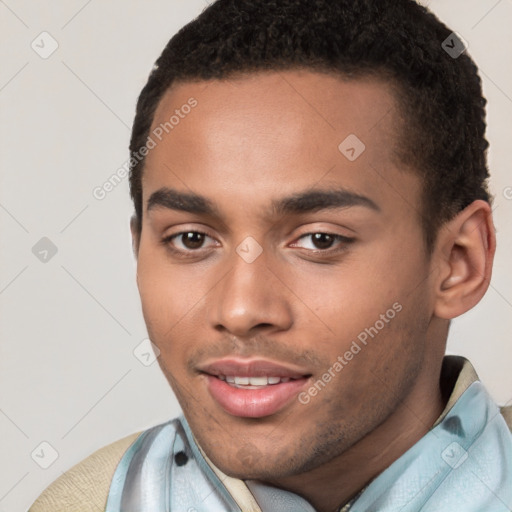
[{"x": 466, "y": 247}]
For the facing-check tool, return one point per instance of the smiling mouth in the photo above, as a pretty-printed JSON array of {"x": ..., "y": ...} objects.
[
  {"x": 260, "y": 382},
  {"x": 253, "y": 388},
  {"x": 254, "y": 396}
]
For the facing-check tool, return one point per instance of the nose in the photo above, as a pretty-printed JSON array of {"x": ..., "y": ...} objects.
[{"x": 249, "y": 298}]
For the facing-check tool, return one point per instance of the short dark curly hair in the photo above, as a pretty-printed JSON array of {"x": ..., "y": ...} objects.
[{"x": 440, "y": 101}]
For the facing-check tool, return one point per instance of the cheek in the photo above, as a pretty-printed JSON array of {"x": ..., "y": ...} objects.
[
  {"x": 367, "y": 309},
  {"x": 340, "y": 301},
  {"x": 166, "y": 294},
  {"x": 171, "y": 288},
  {"x": 373, "y": 369}
]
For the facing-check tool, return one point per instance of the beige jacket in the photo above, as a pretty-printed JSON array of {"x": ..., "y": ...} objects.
[{"x": 85, "y": 487}]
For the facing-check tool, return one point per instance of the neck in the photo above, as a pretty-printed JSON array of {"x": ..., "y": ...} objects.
[{"x": 335, "y": 483}]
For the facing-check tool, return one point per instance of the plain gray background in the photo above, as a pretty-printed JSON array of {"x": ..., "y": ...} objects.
[{"x": 70, "y": 321}]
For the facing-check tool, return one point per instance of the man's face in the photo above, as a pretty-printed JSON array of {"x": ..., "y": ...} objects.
[{"x": 277, "y": 292}]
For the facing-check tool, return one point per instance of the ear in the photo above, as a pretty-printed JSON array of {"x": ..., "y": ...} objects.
[
  {"x": 135, "y": 228},
  {"x": 465, "y": 251}
]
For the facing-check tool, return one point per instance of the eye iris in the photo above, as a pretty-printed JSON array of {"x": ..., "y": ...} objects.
[
  {"x": 322, "y": 240},
  {"x": 192, "y": 240}
]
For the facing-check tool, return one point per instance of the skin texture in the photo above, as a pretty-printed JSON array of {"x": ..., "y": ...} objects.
[{"x": 258, "y": 138}]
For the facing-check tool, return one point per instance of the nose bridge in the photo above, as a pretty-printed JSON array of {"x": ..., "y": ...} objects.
[
  {"x": 246, "y": 280},
  {"x": 248, "y": 295}
]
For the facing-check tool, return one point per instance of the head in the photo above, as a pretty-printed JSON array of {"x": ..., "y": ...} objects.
[{"x": 311, "y": 202}]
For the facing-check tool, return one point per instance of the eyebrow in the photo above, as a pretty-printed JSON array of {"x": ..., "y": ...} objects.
[{"x": 308, "y": 201}]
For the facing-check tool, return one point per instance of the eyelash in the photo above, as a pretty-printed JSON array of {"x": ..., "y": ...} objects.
[{"x": 190, "y": 253}]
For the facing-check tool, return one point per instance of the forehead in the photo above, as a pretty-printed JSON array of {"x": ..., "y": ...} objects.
[{"x": 281, "y": 132}]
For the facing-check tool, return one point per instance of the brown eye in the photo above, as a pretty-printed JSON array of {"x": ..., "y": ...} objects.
[
  {"x": 193, "y": 244},
  {"x": 192, "y": 239},
  {"x": 322, "y": 240},
  {"x": 189, "y": 244}
]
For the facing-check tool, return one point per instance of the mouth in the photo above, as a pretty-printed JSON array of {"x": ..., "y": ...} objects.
[
  {"x": 255, "y": 388},
  {"x": 241, "y": 382}
]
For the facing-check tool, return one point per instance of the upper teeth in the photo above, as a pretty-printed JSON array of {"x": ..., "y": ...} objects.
[{"x": 253, "y": 381}]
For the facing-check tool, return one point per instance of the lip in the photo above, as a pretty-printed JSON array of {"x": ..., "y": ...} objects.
[
  {"x": 252, "y": 368},
  {"x": 253, "y": 403}
]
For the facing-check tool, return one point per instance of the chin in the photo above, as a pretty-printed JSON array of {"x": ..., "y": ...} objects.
[
  {"x": 244, "y": 464},
  {"x": 251, "y": 473}
]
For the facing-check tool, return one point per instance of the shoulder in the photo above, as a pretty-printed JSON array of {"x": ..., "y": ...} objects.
[
  {"x": 85, "y": 487},
  {"x": 458, "y": 374}
]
